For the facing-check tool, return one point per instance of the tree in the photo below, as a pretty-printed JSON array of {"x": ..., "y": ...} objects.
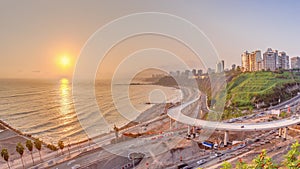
[
  {"x": 226, "y": 165},
  {"x": 52, "y": 147},
  {"x": 262, "y": 161},
  {"x": 241, "y": 165},
  {"x": 38, "y": 146},
  {"x": 5, "y": 156},
  {"x": 29, "y": 146},
  {"x": 61, "y": 145},
  {"x": 20, "y": 150},
  {"x": 291, "y": 159}
]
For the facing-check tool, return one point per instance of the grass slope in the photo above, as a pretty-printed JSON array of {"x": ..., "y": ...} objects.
[{"x": 256, "y": 87}]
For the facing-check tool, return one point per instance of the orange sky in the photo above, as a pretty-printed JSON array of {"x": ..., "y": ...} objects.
[{"x": 35, "y": 33}]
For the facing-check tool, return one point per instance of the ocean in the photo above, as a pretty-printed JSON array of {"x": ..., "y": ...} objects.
[{"x": 45, "y": 108}]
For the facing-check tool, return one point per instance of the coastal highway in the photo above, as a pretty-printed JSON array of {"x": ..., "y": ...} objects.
[
  {"x": 115, "y": 155},
  {"x": 290, "y": 102},
  {"x": 177, "y": 115}
]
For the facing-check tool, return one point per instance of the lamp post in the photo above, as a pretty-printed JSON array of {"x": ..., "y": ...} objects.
[
  {"x": 69, "y": 146},
  {"x": 116, "y": 129}
]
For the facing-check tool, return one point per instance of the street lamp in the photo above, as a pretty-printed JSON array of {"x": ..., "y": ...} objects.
[{"x": 69, "y": 146}]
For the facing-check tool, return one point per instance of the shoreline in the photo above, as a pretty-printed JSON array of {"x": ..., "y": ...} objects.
[
  {"x": 144, "y": 118},
  {"x": 154, "y": 110},
  {"x": 140, "y": 119}
]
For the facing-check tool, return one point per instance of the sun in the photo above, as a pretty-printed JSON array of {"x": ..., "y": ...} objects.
[{"x": 65, "y": 61}]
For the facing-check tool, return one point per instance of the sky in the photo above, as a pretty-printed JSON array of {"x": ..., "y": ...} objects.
[{"x": 35, "y": 34}]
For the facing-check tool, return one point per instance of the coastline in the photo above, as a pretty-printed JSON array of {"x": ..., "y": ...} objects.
[
  {"x": 144, "y": 116},
  {"x": 19, "y": 136},
  {"x": 153, "y": 111},
  {"x": 4, "y": 126}
]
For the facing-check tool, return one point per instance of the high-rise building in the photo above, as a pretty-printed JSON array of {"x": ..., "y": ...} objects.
[
  {"x": 245, "y": 61},
  {"x": 233, "y": 66},
  {"x": 255, "y": 60},
  {"x": 295, "y": 62},
  {"x": 252, "y": 61},
  {"x": 277, "y": 59},
  {"x": 284, "y": 61},
  {"x": 194, "y": 72},
  {"x": 220, "y": 66},
  {"x": 187, "y": 73},
  {"x": 270, "y": 59},
  {"x": 199, "y": 72},
  {"x": 223, "y": 64},
  {"x": 210, "y": 70}
]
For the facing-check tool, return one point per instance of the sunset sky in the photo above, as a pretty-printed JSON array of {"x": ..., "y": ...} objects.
[{"x": 37, "y": 35}]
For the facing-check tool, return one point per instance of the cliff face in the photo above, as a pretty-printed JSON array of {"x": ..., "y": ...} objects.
[
  {"x": 246, "y": 91},
  {"x": 261, "y": 89}
]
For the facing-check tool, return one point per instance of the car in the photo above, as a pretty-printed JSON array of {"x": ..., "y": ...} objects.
[
  {"x": 50, "y": 162},
  {"x": 231, "y": 120},
  {"x": 256, "y": 139},
  {"x": 200, "y": 162},
  {"x": 219, "y": 154},
  {"x": 242, "y": 126},
  {"x": 76, "y": 166},
  {"x": 241, "y": 146},
  {"x": 181, "y": 166},
  {"x": 212, "y": 156},
  {"x": 70, "y": 162}
]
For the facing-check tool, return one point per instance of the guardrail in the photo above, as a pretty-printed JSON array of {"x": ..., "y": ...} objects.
[{"x": 177, "y": 115}]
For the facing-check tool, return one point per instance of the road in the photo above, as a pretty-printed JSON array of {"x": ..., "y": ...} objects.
[
  {"x": 177, "y": 115},
  {"x": 288, "y": 102},
  {"x": 150, "y": 146}
]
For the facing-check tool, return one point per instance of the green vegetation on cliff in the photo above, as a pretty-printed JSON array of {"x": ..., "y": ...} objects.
[{"x": 261, "y": 88}]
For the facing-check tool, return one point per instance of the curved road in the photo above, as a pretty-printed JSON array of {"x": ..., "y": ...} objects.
[{"x": 176, "y": 114}]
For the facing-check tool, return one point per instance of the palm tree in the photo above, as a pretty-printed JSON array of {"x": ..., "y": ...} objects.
[
  {"x": 5, "y": 156},
  {"x": 38, "y": 146},
  {"x": 20, "y": 150},
  {"x": 61, "y": 145},
  {"x": 29, "y": 146}
]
